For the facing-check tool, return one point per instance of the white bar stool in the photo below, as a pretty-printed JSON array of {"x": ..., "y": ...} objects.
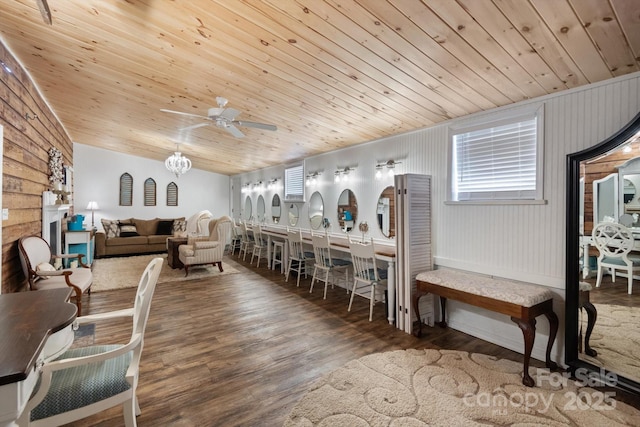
[{"x": 278, "y": 251}]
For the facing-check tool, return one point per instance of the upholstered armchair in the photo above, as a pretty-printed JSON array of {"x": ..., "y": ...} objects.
[
  {"x": 35, "y": 257},
  {"x": 202, "y": 250}
]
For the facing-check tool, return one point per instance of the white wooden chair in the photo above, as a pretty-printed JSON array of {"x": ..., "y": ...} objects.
[
  {"x": 366, "y": 272},
  {"x": 325, "y": 267},
  {"x": 615, "y": 242},
  {"x": 297, "y": 257},
  {"x": 258, "y": 244},
  {"x": 35, "y": 258},
  {"x": 246, "y": 243},
  {"x": 87, "y": 380}
]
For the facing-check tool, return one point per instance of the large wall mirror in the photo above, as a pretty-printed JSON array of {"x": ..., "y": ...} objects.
[
  {"x": 386, "y": 212},
  {"x": 276, "y": 209},
  {"x": 260, "y": 209},
  {"x": 602, "y": 323},
  {"x": 294, "y": 214},
  {"x": 246, "y": 215},
  {"x": 347, "y": 210},
  {"x": 316, "y": 210}
]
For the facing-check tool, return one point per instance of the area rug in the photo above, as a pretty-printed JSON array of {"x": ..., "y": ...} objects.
[
  {"x": 452, "y": 388},
  {"x": 616, "y": 338},
  {"x": 125, "y": 272}
]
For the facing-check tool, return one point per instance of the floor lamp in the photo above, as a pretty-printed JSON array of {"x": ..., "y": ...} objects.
[{"x": 93, "y": 206}]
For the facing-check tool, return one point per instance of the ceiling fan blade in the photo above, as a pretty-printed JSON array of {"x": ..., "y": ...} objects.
[
  {"x": 255, "y": 125},
  {"x": 184, "y": 114},
  {"x": 45, "y": 11},
  {"x": 192, "y": 127},
  {"x": 233, "y": 130},
  {"x": 229, "y": 114}
]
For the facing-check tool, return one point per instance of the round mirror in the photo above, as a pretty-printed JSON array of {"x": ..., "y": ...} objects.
[
  {"x": 347, "y": 210},
  {"x": 385, "y": 212},
  {"x": 316, "y": 210},
  {"x": 275, "y": 209},
  {"x": 629, "y": 191},
  {"x": 260, "y": 214},
  {"x": 247, "y": 209},
  {"x": 293, "y": 214}
]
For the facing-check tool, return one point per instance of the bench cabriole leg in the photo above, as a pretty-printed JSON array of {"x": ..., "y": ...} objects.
[{"x": 529, "y": 333}]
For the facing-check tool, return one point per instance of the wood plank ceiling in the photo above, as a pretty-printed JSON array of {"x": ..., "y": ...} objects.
[{"x": 328, "y": 73}]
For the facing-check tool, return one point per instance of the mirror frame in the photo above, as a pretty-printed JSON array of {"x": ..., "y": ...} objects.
[
  {"x": 311, "y": 207},
  {"x": 261, "y": 217},
  {"x": 250, "y": 202},
  {"x": 572, "y": 254},
  {"x": 272, "y": 206}
]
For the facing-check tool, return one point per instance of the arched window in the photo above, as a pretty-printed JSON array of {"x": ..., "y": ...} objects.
[
  {"x": 126, "y": 190},
  {"x": 172, "y": 194},
  {"x": 149, "y": 192}
]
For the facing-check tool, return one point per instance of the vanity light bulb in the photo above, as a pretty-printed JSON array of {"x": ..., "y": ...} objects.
[
  {"x": 391, "y": 173},
  {"x": 378, "y": 174},
  {"x": 336, "y": 178}
]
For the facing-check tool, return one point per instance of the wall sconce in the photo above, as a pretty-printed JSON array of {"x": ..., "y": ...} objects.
[
  {"x": 246, "y": 188},
  {"x": 272, "y": 183},
  {"x": 312, "y": 178},
  {"x": 389, "y": 164},
  {"x": 342, "y": 174},
  {"x": 257, "y": 186}
]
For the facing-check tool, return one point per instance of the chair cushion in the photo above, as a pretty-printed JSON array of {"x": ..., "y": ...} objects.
[
  {"x": 86, "y": 384},
  {"x": 81, "y": 277},
  {"x": 339, "y": 262}
]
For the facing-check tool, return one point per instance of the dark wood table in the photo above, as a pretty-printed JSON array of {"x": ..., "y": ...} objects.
[
  {"x": 27, "y": 319},
  {"x": 172, "y": 251}
]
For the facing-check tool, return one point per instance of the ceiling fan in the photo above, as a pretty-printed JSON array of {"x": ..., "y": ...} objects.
[{"x": 224, "y": 118}]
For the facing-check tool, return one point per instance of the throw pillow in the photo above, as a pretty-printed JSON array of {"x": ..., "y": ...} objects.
[
  {"x": 128, "y": 230},
  {"x": 45, "y": 266},
  {"x": 165, "y": 228},
  {"x": 179, "y": 225},
  {"x": 111, "y": 227}
]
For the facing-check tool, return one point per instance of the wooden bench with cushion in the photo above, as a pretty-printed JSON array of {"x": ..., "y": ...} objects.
[{"x": 520, "y": 301}]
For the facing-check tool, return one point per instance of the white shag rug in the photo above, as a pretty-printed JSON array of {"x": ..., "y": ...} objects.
[
  {"x": 125, "y": 272},
  {"x": 408, "y": 388}
]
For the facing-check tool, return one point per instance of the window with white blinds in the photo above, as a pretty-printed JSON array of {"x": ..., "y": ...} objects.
[
  {"x": 294, "y": 184},
  {"x": 499, "y": 160}
]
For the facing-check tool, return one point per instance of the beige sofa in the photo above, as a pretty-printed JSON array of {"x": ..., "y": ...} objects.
[{"x": 136, "y": 236}]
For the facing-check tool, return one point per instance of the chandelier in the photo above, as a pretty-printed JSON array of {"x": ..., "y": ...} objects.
[{"x": 177, "y": 164}]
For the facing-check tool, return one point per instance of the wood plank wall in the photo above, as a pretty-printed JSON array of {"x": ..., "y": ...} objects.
[{"x": 26, "y": 162}]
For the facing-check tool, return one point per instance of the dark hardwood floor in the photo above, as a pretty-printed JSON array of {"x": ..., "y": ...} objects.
[{"x": 241, "y": 349}]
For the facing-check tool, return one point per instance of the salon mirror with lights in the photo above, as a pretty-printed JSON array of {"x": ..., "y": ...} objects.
[
  {"x": 601, "y": 322},
  {"x": 316, "y": 210},
  {"x": 385, "y": 212},
  {"x": 276, "y": 209},
  {"x": 260, "y": 210},
  {"x": 347, "y": 210},
  {"x": 246, "y": 215},
  {"x": 294, "y": 214}
]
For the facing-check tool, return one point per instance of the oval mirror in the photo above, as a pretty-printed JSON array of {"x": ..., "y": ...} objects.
[
  {"x": 293, "y": 214},
  {"x": 275, "y": 209},
  {"x": 316, "y": 210},
  {"x": 260, "y": 209},
  {"x": 385, "y": 212},
  {"x": 347, "y": 210},
  {"x": 629, "y": 191},
  {"x": 247, "y": 209}
]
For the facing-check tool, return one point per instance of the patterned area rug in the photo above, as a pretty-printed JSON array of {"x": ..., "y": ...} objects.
[
  {"x": 616, "y": 338},
  {"x": 452, "y": 388},
  {"x": 125, "y": 272}
]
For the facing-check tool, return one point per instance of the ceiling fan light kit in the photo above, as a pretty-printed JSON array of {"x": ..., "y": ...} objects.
[{"x": 224, "y": 118}]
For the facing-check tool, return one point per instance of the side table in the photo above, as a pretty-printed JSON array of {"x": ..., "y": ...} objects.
[{"x": 172, "y": 251}]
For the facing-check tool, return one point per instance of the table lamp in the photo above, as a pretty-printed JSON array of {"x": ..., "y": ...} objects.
[{"x": 93, "y": 206}]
